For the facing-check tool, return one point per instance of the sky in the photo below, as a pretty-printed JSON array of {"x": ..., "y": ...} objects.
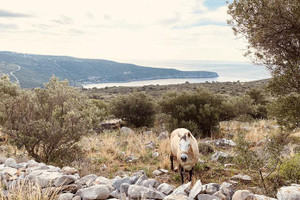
[{"x": 120, "y": 29}]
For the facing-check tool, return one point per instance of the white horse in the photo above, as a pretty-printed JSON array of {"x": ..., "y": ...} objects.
[{"x": 184, "y": 150}]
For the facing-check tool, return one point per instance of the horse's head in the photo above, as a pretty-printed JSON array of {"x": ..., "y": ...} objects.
[{"x": 185, "y": 146}]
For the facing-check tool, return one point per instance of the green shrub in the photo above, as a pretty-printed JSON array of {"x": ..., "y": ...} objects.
[
  {"x": 102, "y": 107},
  {"x": 286, "y": 110},
  {"x": 290, "y": 169},
  {"x": 48, "y": 122},
  {"x": 199, "y": 111},
  {"x": 136, "y": 109},
  {"x": 244, "y": 107},
  {"x": 257, "y": 96},
  {"x": 245, "y": 157}
]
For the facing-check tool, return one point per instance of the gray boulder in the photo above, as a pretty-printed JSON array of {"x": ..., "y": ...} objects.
[
  {"x": 165, "y": 188},
  {"x": 10, "y": 162},
  {"x": 141, "y": 179},
  {"x": 64, "y": 180},
  {"x": 159, "y": 172},
  {"x": 197, "y": 188},
  {"x": 210, "y": 188},
  {"x": 242, "y": 195},
  {"x": 183, "y": 189},
  {"x": 65, "y": 196},
  {"x": 86, "y": 180},
  {"x": 155, "y": 155},
  {"x": 117, "y": 183},
  {"x": 227, "y": 190},
  {"x": 115, "y": 194},
  {"x": 220, "y": 195},
  {"x": 176, "y": 197},
  {"x": 94, "y": 192},
  {"x": 72, "y": 188},
  {"x": 102, "y": 181},
  {"x": 241, "y": 178},
  {"x": 219, "y": 156},
  {"x": 124, "y": 188},
  {"x": 138, "y": 192},
  {"x": 261, "y": 197},
  {"x": 131, "y": 159},
  {"x": 224, "y": 143},
  {"x": 151, "y": 183},
  {"x": 46, "y": 179},
  {"x": 150, "y": 145},
  {"x": 126, "y": 130},
  {"x": 32, "y": 163},
  {"x": 69, "y": 170},
  {"x": 289, "y": 193},
  {"x": 207, "y": 197}
]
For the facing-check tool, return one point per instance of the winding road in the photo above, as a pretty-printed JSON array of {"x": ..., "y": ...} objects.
[{"x": 12, "y": 74}]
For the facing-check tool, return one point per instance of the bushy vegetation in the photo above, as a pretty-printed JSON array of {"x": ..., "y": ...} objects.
[
  {"x": 47, "y": 122},
  {"x": 198, "y": 111},
  {"x": 290, "y": 169},
  {"x": 201, "y": 111},
  {"x": 137, "y": 109},
  {"x": 275, "y": 47},
  {"x": 265, "y": 160},
  {"x": 286, "y": 110}
]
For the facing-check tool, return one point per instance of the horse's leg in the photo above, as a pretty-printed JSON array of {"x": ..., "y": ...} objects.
[
  {"x": 182, "y": 174},
  {"x": 191, "y": 174},
  {"x": 172, "y": 165}
]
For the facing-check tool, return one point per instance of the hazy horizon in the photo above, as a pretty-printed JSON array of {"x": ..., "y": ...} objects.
[{"x": 121, "y": 30}]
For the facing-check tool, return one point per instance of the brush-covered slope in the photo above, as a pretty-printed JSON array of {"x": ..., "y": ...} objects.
[{"x": 34, "y": 70}]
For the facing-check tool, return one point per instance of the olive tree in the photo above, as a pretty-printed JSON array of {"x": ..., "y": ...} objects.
[
  {"x": 136, "y": 109},
  {"x": 200, "y": 111},
  {"x": 49, "y": 122},
  {"x": 272, "y": 29}
]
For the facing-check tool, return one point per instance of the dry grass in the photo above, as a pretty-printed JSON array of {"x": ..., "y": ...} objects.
[
  {"x": 106, "y": 153},
  {"x": 28, "y": 191},
  {"x": 112, "y": 148},
  {"x": 255, "y": 131},
  {"x": 8, "y": 150}
]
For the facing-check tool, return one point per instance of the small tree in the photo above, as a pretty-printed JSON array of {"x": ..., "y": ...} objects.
[
  {"x": 136, "y": 109},
  {"x": 286, "y": 110},
  {"x": 198, "y": 111},
  {"x": 48, "y": 122},
  {"x": 272, "y": 29}
]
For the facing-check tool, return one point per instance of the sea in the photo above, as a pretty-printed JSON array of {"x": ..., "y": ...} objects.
[{"x": 227, "y": 71}]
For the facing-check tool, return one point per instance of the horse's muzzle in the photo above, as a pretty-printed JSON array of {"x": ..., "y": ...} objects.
[{"x": 183, "y": 158}]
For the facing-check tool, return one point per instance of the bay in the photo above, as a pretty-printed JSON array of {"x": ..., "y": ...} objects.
[{"x": 227, "y": 71}]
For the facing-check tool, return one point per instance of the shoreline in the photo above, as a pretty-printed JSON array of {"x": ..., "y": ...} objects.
[{"x": 180, "y": 81}]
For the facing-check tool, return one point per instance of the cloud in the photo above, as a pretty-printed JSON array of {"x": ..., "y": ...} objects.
[
  {"x": 64, "y": 20},
  {"x": 7, "y": 27},
  {"x": 5, "y": 13},
  {"x": 114, "y": 29}
]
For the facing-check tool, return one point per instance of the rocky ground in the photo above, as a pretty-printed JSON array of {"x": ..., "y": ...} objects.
[{"x": 66, "y": 184}]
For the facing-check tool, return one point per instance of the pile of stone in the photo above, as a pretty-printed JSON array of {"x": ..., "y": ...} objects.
[{"x": 137, "y": 186}]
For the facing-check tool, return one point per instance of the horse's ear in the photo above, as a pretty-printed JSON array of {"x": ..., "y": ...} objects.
[{"x": 189, "y": 134}]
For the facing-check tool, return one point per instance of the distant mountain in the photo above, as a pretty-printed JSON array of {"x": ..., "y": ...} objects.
[{"x": 35, "y": 70}]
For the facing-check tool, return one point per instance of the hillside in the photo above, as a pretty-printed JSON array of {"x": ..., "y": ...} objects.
[{"x": 34, "y": 70}]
